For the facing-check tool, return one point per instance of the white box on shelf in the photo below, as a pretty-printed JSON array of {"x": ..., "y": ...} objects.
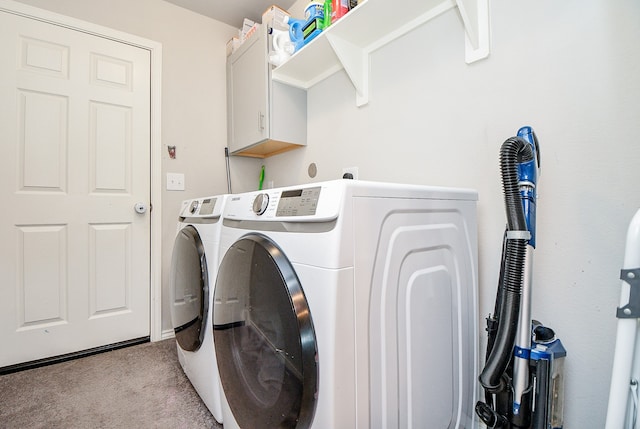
[{"x": 275, "y": 17}]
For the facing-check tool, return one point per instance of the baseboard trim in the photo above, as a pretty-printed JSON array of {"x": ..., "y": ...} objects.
[
  {"x": 70, "y": 356},
  {"x": 167, "y": 334}
]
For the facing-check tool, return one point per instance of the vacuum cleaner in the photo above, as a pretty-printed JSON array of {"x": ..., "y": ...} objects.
[{"x": 523, "y": 376}]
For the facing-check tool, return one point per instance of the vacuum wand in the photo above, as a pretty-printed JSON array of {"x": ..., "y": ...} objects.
[{"x": 527, "y": 181}]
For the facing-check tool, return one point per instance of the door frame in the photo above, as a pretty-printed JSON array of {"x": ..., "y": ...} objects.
[{"x": 155, "y": 51}]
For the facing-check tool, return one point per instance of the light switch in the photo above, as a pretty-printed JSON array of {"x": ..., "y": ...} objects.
[{"x": 175, "y": 182}]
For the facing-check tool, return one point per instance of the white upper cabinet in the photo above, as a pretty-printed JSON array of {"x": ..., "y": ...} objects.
[{"x": 264, "y": 117}]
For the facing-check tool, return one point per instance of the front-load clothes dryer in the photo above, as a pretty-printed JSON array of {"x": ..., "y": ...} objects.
[
  {"x": 348, "y": 304},
  {"x": 194, "y": 266}
]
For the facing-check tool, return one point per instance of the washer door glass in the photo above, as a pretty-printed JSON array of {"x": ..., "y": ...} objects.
[
  {"x": 264, "y": 338},
  {"x": 189, "y": 289}
]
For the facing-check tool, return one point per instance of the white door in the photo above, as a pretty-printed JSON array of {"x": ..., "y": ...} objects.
[{"x": 75, "y": 141}]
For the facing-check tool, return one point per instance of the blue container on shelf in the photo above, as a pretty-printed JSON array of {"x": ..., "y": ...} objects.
[{"x": 314, "y": 10}]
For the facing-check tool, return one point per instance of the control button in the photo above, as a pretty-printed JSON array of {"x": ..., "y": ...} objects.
[{"x": 260, "y": 203}]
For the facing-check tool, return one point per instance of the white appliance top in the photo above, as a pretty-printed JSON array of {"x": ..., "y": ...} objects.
[{"x": 317, "y": 202}]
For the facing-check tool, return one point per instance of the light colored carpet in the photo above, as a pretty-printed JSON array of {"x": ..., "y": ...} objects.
[{"x": 141, "y": 386}]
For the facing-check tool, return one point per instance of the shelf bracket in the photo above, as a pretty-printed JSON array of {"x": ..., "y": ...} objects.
[
  {"x": 355, "y": 61},
  {"x": 475, "y": 17}
]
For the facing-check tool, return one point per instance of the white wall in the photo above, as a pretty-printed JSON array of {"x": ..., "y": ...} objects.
[
  {"x": 193, "y": 99},
  {"x": 571, "y": 70}
]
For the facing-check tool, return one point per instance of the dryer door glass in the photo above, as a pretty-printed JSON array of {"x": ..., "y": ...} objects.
[
  {"x": 189, "y": 289},
  {"x": 264, "y": 338}
]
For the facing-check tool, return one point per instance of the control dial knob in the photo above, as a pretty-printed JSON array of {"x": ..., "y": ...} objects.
[
  {"x": 260, "y": 203},
  {"x": 193, "y": 207}
]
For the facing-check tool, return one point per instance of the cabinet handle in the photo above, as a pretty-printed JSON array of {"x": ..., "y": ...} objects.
[{"x": 260, "y": 121}]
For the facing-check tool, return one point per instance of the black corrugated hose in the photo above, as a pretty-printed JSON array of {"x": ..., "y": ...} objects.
[{"x": 513, "y": 152}]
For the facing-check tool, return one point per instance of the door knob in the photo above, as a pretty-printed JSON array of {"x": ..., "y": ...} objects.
[{"x": 140, "y": 208}]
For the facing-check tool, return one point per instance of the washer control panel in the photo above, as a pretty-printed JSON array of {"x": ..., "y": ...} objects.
[{"x": 206, "y": 207}]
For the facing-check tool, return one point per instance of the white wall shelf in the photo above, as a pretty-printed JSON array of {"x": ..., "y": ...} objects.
[{"x": 348, "y": 43}]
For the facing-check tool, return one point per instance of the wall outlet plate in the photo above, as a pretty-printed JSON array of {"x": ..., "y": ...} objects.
[{"x": 175, "y": 182}]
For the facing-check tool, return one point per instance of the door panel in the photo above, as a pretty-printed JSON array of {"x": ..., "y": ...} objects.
[
  {"x": 109, "y": 279},
  {"x": 42, "y": 266},
  {"x": 109, "y": 140},
  {"x": 43, "y": 144},
  {"x": 75, "y": 127}
]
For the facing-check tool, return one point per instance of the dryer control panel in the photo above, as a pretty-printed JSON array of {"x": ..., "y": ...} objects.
[
  {"x": 306, "y": 203},
  {"x": 289, "y": 203},
  {"x": 298, "y": 202}
]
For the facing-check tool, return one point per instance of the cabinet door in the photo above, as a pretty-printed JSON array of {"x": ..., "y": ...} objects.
[{"x": 247, "y": 92}]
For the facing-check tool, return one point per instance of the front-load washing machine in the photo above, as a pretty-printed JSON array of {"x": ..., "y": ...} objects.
[
  {"x": 348, "y": 304},
  {"x": 194, "y": 266}
]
